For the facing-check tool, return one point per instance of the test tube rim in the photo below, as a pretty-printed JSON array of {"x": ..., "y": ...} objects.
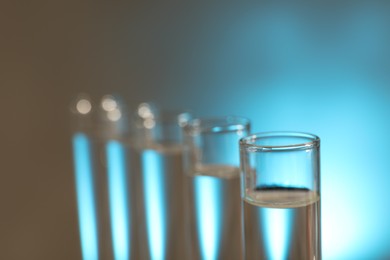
[
  {"x": 214, "y": 125},
  {"x": 248, "y": 143}
]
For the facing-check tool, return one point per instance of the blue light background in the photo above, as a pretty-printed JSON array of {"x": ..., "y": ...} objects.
[{"x": 313, "y": 67}]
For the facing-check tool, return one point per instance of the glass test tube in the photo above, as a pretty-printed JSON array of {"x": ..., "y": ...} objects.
[
  {"x": 214, "y": 205},
  {"x": 281, "y": 193},
  {"x": 159, "y": 167},
  {"x": 105, "y": 202}
]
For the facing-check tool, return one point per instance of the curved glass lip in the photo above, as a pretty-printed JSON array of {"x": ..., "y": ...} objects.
[
  {"x": 180, "y": 117},
  {"x": 218, "y": 124},
  {"x": 249, "y": 142}
]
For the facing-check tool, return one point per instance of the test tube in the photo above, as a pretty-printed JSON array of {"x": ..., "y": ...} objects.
[
  {"x": 105, "y": 203},
  {"x": 84, "y": 172},
  {"x": 281, "y": 194},
  {"x": 159, "y": 151},
  {"x": 214, "y": 203}
]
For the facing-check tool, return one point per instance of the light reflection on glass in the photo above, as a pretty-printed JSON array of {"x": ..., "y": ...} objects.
[
  {"x": 145, "y": 110},
  {"x": 155, "y": 203},
  {"x": 149, "y": 123},
  {"x": 208, "y": 204},
  {"x": 114, "y": 115},
  {"x": 117, "y": 188},
  {"x": 85, "y": 196},
  {"x": 83, "y": 106},
  {"x": 109, "y": 103}
]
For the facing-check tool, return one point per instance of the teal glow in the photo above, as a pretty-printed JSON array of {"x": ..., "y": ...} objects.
[
  {"x": 154, "y": 188},
  {"x": 117, "y": 189},
  {"x": 322, "y": 69},
  {"x": 85, "y": 196},
  {"x": 208, "y": 214},
  {"x": 320, "y": 66},
  {"x": 276, "y": 230},
  {"x": 349, "y": 126}
]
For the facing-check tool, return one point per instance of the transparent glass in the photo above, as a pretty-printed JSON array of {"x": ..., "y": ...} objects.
[
  {"x": 214, "y": 206},
  {"x": 281, "y": 194},
  {"x": 106, "y": 204},
  {"x": 158, "y": 164}
]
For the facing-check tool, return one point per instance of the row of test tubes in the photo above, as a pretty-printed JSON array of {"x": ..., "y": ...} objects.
[{"x": 154, "y": 184}]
